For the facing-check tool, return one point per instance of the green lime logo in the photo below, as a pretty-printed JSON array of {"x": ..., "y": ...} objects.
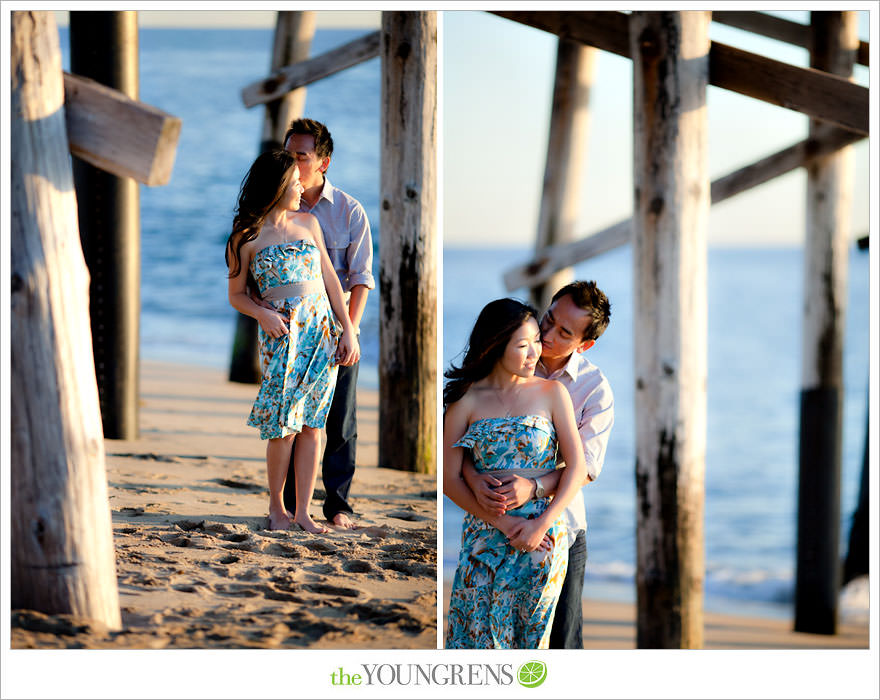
[{"x": 531, "y": 674}]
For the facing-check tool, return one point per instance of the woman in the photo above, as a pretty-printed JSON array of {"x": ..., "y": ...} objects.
[
  {"x": 511, "y": 566},
  {"x": 281, "y": 252}
]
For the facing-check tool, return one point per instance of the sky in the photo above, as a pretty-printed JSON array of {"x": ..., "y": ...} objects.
[
  {"x": 243, "y": 19},
  {"x": 497, "y": 89}
]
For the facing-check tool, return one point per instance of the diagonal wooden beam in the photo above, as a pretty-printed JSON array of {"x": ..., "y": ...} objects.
[
  {"x": 812, "y": 92},
  {"x": 778, "y": 28},
  {"x": 555, "y": 258},
  {"x": 117, "y": 134},
  {"x": 300, "y": 74}
]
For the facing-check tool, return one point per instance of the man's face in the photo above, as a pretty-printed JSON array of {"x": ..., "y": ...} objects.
[
  {"x": 562, "y": 329},
  {"x": 311, "y": 167}
]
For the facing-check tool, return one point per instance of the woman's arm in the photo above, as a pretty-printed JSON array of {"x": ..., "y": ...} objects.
[
  {"x": 349, "y": 348},
  {"x": 573, "y": 474},
  {"x": 455, "y": 423},
  {"x": 270, "y": 320}
]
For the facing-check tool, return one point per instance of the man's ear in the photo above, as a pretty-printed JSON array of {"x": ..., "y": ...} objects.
[
  {"x": 325, "y": 163},
  {"x": 586, "y": 345}
]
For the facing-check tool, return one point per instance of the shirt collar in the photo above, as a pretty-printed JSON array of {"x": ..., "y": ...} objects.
[
  {"x": 571, "y": 368},
  {"x": 326, "y": 191}
]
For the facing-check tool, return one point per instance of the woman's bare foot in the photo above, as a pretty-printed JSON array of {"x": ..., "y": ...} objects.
[
  {"x": 342, "y": 520},
  {"x": 309, "y": 525},
  {"x": 279, "y": 521}
]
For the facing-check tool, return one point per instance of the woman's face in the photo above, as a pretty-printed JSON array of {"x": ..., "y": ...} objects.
[
  {"x": 293, "y": 196},
  {"x": 523, "y": 350}
]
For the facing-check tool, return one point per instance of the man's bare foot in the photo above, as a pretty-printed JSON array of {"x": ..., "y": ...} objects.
[
  {"x": 342, "y": 520},
  {"x": 309, "y": 525},
  {"x": 279, "y": 521}
]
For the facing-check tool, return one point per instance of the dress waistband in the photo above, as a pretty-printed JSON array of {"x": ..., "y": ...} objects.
[
  {"x": 296, "y": 289},
  {"x": 527, "y": 472}
]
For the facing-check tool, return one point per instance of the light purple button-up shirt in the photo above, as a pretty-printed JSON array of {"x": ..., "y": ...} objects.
[
  {"x": 593, "y": 405},
  {"x": 346, "y": 235}
]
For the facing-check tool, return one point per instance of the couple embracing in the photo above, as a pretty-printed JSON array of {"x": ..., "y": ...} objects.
[{"x": 526, "y": 424}]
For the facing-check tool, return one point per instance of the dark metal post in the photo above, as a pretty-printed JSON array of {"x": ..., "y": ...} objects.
[{"x": 104, "y": 47}]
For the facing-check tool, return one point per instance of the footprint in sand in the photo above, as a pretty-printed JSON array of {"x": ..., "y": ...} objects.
[
  {"x": 329, "y": 589},
  {"x": 321, "y": 547},
  {"x": 406, "y": 515},
  {"x": 410, "y": 568},
  {"x": 358, "y": 566},
  {"x": 240, "y": 484},
  {"x": 237, "y": 537},
  {"x": 388, "y": 614}
]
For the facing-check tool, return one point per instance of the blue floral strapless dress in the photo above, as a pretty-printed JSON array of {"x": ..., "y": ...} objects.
[
  {"x": 502, "y": 598},
  {"x": 299, "y": 375}
]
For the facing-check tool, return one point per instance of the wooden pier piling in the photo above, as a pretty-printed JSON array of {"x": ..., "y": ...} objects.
[
  {"x": 833, "y": 49},
  {"x": 671, "y": 209},
  {"x": 62, "y": 558},
  {"x": 104, "y": 47},
  {"x": 566, "y": 157},
  {"x": 407, "y": 252}
]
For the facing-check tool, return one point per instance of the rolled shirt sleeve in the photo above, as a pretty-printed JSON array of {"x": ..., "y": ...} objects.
[
  {"x": 359, "y": 253},
  {"x": 594, "y": 427}
]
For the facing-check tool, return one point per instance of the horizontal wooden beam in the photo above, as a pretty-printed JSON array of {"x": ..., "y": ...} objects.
[
  {"x": 299, "y": 74},
  {"x": 555, "y": 258},
  {"x": 778, "y": 28},
  {"x": 117, "y": 134},
  {"x": 812, "y": 92}
]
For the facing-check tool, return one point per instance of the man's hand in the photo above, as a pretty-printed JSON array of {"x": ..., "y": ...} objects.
[
  {"x": 516, "y": 490},
  {"x": 483, "y": 486}
]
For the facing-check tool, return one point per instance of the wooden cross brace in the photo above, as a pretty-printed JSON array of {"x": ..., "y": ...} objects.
[{"x": 115, "y": 133}]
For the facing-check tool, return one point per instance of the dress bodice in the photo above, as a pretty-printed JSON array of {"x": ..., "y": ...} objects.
[
  {"x": 511, "y": 442},
  {"x": 281, "y": 264}
]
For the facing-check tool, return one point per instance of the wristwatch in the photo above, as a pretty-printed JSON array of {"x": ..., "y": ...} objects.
[{"x": 539, "y": 489}]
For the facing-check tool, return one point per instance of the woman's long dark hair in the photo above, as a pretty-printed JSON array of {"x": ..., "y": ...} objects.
[
  {"x": 495, "y": 325},
  {"x": 261, "y": 190}
]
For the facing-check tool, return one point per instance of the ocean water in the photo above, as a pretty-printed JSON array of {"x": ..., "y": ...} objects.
[
  {"x": 198, "y": 75},
  {"x": 755, "y": 299},
  {"x": 754, "y": 315}
]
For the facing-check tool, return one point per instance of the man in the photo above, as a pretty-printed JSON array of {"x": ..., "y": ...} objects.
[
  {"x": 578, "y": 315},
  {"x": 350, "y": 247}
]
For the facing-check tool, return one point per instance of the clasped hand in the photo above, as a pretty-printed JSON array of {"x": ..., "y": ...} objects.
[
  {"x": 348, "y": 350},
  {"x": 500, "y": 495},
  {"x": 272, "y": 322},
  {"x": 528, "y": 535}
]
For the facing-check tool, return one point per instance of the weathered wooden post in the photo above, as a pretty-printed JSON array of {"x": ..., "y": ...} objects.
[
  {"x": 293, "y": 40},
  {"x": 566, "y": 155},
  {"x": 671, "y": 208},
  {"x": 62, "y": 558},
  {"x": 104, "y": 47},
  {"x": 829, "y": 195},
  {"x": 408, "y": 224}
]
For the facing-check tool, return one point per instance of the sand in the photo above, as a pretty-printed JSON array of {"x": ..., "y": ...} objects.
[{"x": 196, "y": 566}]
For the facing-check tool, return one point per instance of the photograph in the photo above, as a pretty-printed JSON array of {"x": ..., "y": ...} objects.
[
  {"x": 223, "y": 251},
  {"x": 342, "y": 340},
  {"x": 713, "y": 426}
]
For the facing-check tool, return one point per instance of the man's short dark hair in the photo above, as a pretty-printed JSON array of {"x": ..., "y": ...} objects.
[
  {"x": 588, "y": 297},
  {"x": 312, "y": 127}
]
